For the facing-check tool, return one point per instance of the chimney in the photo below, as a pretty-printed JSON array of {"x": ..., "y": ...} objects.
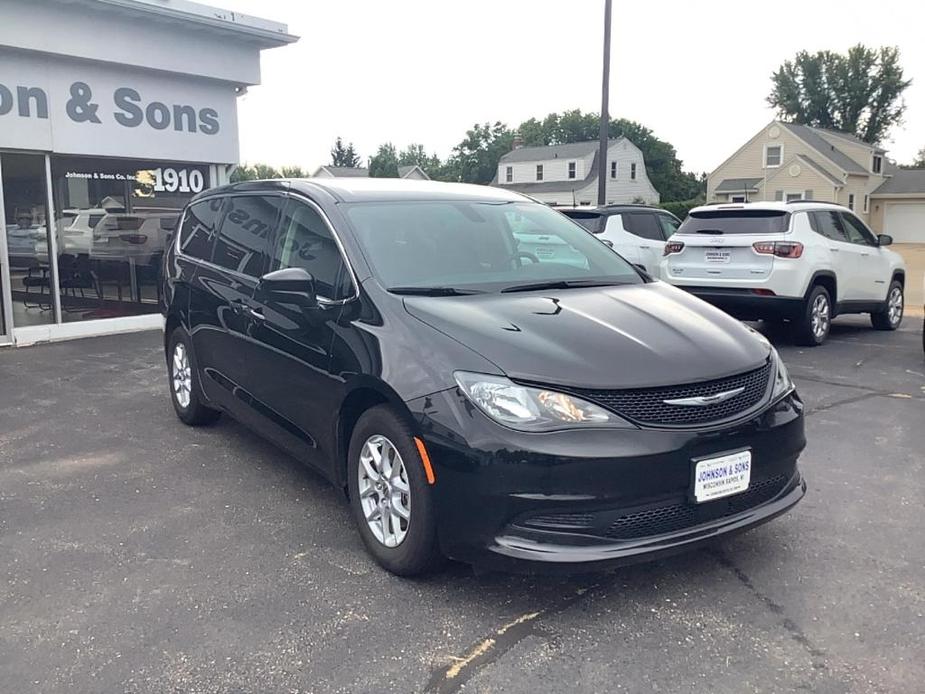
[{"x": 518, "y": 141}]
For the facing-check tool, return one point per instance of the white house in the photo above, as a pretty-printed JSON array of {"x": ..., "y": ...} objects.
[{"x": 567, "y": 174}]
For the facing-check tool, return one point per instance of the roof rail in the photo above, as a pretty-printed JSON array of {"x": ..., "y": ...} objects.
[{"x": 812, "y": 202}]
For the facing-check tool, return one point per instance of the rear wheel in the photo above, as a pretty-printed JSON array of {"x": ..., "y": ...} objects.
[
  {"x": 185, "y": 392},
  {"x": 391, "y": 499},
  {"x": 892, "y": 314},
  {"x": 811, "y": 328}
]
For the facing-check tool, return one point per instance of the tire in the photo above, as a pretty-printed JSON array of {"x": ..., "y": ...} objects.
[
  {"x": 811, "y": 327},
  {"x": 891, "y": 316},
  {"x": 405, "y": 547},
  {"x": 185, "y": 390}
]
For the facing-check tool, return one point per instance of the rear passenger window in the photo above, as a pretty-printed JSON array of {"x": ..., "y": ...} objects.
[
  {"x": 644, "y": 225},
  {"x": 828, "y": 224},
  {"x": 198, "y": 227},
  {"x": 305, "y": 241},
  {"x": 242, "y": 240}
]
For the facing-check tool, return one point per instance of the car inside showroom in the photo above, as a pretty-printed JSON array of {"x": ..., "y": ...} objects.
[{"x": 102, "y": 143}]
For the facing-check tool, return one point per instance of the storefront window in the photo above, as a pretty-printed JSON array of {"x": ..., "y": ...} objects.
[
  {"x": 25, "y": 204},
  {"x": 114, "y": 220}
]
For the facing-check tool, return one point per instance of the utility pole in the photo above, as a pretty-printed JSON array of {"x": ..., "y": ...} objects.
[{"x": 605, "y": 116}]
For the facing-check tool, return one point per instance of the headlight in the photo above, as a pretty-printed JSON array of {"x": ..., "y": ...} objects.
[
  {"x": 782, "y": 383},
  {"x": 532, "y": 409}
]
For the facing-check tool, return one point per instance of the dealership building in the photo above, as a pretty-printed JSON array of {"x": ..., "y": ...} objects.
[{"x": 113, "y": 113}]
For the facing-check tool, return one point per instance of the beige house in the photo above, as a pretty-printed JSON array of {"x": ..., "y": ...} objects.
[{"x": 786, "y": 161}]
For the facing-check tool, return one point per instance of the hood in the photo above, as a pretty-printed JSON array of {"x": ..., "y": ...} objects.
[{"x": 602, "y": 337}]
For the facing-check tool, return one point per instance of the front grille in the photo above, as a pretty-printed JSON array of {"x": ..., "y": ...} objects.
[
  {"x": 647, "y": 406},
  {"x": 675, "y": 516}
]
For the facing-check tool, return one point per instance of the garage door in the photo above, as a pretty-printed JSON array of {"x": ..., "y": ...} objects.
[{"x": 905, "y": 222}]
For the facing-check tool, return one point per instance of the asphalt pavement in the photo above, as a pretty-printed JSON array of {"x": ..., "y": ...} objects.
[{"x": 139, "y": 555}]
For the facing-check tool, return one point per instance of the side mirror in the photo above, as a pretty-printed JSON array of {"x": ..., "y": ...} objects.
[
  {"x": 291, "y": 285},
  {"x": 884, "y": 239}
]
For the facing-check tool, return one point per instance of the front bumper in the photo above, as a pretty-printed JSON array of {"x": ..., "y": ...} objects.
[{"x": 585, "y": 500}]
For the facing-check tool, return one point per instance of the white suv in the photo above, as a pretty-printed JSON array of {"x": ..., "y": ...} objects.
[{"x": 803, "y": 261}]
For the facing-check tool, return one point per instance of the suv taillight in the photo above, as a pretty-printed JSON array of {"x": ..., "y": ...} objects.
[
  {"x": 781, "y": 249},
  {"x": 673, "y": 247}
]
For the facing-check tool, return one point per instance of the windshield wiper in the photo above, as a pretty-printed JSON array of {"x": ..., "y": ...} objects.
[
  {"x": 432, "y": 291},
  {"x": 559, "y": 284}
]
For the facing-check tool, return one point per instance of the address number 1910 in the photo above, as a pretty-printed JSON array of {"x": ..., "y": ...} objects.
[{"x": 178, "y": 180}]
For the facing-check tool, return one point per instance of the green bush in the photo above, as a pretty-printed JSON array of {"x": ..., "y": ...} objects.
[{"x": 680, "y": 208}]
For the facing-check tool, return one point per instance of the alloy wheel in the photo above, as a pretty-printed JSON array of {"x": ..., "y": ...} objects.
[
  {"x": 385, "y": 494},
  {"x": 182, "y": 375},
  {"x": 895, "y": 306},
  {"x": 820, "y": 316}
]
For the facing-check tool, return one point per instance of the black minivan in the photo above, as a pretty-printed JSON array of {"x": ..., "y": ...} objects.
[{"x": 473, "y": 400}]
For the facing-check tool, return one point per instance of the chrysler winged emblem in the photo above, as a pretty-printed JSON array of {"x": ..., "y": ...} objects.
[{"x": 704, "y": 400}]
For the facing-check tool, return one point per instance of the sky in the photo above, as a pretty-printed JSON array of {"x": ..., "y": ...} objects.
[{"x": 424, "y": 71}]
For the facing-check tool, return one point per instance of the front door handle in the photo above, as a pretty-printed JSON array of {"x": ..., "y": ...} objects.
[
  {"x": 834, "y": 250},
  {"x": 256, "y": 314}
]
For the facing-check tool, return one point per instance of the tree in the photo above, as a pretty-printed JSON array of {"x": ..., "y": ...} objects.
[
  {"x": 384, "y": 163},
  {"x": 344, "y": 156},
  {"x": 663, "y": 167},
  {"x": 858, "y": 93},
  {"x": 919, "y": 161},
  {"x": 254, "y": 172},
  {"x": 293, "y": 171},
  {"x": 415, "y": 155},
  {"x": 475, "y": 159}
]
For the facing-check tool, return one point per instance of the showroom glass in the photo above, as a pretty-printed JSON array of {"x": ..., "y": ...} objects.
[
  {"x": 305, "y": 241},
  {"x": 114, "y": 218},
  {"x": 25, "y": 207},
  {"x": 736, "y": 222},
  {"x": 479, "y": 245}
]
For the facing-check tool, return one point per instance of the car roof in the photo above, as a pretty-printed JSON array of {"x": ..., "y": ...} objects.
[
  {"x": 376, "y": 189},
  {"x": 612, "y": 209},
  {"x": 770, "y": 206}
]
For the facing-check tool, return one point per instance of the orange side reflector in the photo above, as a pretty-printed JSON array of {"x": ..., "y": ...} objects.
[{"x": 428, "y": 469}]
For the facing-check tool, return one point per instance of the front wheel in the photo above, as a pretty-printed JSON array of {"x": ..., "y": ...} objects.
[
  {"x": 390, "y": 496},
  {"x": 811, "y": 328},
  {"x": 892, "y": 314}
]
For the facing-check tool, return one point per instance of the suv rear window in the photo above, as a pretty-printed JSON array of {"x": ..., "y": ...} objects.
[
  {"x": 592, "y": 221},
  {"x": 736, "y": 222}
]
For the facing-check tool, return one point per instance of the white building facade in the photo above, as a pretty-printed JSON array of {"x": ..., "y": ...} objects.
[
  {"x": 566, "y": 175},
  {"x": 113, "y": 113}
]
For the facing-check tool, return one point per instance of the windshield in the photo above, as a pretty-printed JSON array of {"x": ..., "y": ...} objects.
[
  {"x": 735, "y": 222},
  {"x": 484, "y": 246}
]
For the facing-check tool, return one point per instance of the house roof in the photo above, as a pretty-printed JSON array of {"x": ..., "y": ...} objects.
[
  {"x": 851, "y": 137},
  {"x": 566, "y": 186},
  {"x": 821, "y": 169},
  {"x": 345, "y": 171},
  {"x": 825, "y": 148},
  {"x": 903, "y": 182},
  {"x": 405, "y": 171},
  {"x": 568, "y": 151},
  {"x": 735, "y": 185}
]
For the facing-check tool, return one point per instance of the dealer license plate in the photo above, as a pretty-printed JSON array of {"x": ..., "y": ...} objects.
[
  {"x": 717, "y": 255},
  {"x": 715, "y": 478}
]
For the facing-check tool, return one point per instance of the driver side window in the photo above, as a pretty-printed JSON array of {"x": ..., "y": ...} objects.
[
  {"x": 856, "y": 231},
  {"x": 304, "y": 240}
]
